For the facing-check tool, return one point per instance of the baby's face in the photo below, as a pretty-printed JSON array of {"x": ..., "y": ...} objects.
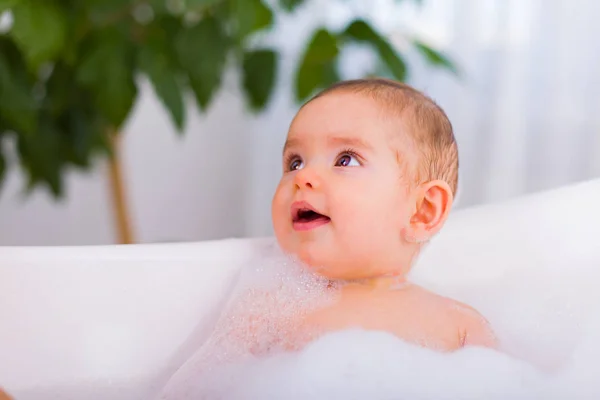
[{"x": 343, "y": 200}]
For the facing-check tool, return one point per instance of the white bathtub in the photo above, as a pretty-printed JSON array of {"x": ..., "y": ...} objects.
[{"x": 113, "y": 322}]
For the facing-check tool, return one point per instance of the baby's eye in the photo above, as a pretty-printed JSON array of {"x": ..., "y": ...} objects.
[
  {"x": 347, "y": 160},
  {"x": 295, "y": 164}
]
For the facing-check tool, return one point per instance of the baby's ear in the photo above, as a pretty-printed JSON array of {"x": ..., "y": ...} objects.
[{"x": 434, "y": 201}]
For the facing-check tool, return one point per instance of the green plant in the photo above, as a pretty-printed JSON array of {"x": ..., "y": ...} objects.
[{"x": 68, "y": 68}]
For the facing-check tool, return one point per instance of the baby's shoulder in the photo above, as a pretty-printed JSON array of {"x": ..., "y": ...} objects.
[
  {"x": 473, "y": 328},
  {"x": 470, "y": 327}
]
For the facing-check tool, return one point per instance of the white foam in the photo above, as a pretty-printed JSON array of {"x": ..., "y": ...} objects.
[
  {"x": 358, "y": 364},
  {"x": 269, "y": 299}
]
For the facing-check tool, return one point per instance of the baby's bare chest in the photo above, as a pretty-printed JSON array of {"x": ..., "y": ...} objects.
[
  {"x": 413, "y": 318},
  {"x": 409, "y": 315}
]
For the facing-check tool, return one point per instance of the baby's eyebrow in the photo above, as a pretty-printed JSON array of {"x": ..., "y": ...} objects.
[
  {"x": 334, "y": 141},
  {"x": 350, "y": 142},
  {"x": 290, "y": 142}
]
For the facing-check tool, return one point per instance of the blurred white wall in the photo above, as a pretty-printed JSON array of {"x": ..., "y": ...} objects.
[{"x": 525, "y": 115}]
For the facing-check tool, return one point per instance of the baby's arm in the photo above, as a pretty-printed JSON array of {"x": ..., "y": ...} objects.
[{"x": 474, "y": 329}]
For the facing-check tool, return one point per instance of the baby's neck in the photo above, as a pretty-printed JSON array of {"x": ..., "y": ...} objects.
[{"x": 377, "y": 282}]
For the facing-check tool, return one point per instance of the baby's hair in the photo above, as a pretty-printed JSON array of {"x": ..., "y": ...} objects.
[{"x": 431, "y": 129}]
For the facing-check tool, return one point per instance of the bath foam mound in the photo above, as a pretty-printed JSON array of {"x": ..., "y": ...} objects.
[{"x": 375, "y": 365}]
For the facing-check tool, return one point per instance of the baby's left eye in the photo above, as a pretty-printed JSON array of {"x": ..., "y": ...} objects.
[{"x": 347, "y": 160}]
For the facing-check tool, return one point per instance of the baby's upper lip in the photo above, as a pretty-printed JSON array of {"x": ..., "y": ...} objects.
[{"x": 301, "y": 206}]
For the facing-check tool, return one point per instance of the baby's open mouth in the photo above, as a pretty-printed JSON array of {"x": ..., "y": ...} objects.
[{"x": 305, "y": 217}]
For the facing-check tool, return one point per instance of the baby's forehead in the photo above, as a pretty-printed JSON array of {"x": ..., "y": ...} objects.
[
  {"x": 339, "y": 118},
  {"x": 331, "y": 139}
]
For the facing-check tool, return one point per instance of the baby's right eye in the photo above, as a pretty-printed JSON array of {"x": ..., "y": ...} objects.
[{"x": 295, "y": 163}]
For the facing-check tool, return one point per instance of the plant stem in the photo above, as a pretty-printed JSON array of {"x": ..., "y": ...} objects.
[{"x": 122, "y": 217}]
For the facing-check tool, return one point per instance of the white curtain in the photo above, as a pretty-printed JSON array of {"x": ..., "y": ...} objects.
[{"x": 527, "y": 109}]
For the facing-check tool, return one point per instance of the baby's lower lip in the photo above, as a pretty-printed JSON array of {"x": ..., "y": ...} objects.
[{"x": 310, "y": 225}]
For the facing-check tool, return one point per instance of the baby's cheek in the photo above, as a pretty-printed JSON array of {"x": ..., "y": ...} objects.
[
  {"x": 280, "y": 208},
  {"x": 370, "y": 235}
]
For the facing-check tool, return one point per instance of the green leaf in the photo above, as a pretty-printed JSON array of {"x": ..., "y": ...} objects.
[
  {"x": 20, "y": 113},
  {"x": 2, "y": 164},
  {"x": 107, "y": 69},
  {"x": 318, "y": 65},
  {"x": 40, "y": 156},
  {"x": 156, "y": 64},
  {"x": 360, "y": 31},
  {"x": 59, "y": 90},
  {"x": 76, "y": 117},
  {"x": 106, "y": 5},
  {"x": 77, "y": 133},
  {"x": 290, "y": 5},
  {"x": 82, "y": 131},
  {"x": 251, "y": 16},
  {"x": 40, "y": 30},
  {"x": 260, "y": 67},
  {"x": 164, "y": 29},
  {"x": 202, "y": 53},
  {"x": 104, "y": 12},
  {"x": 435, "y": 58},
  {"x": 159, "y": 7},
  {"x": 201, "y": 4},
  {"x": 8, "y": 4}
]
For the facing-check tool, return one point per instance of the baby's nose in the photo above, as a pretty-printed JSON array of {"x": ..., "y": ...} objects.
[{"x": 307, "y": 178}]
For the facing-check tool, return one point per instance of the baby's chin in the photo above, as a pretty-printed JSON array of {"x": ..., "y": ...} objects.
[
  {"x": 327, "y": 266},
  {"x": 321, "y": 259},
  {"x": 307, "y": 257}
]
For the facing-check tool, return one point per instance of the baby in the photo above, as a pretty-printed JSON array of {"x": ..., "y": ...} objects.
[
  {"x": 369, "y": 175},
  {"x": 370, "y": 170}
]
